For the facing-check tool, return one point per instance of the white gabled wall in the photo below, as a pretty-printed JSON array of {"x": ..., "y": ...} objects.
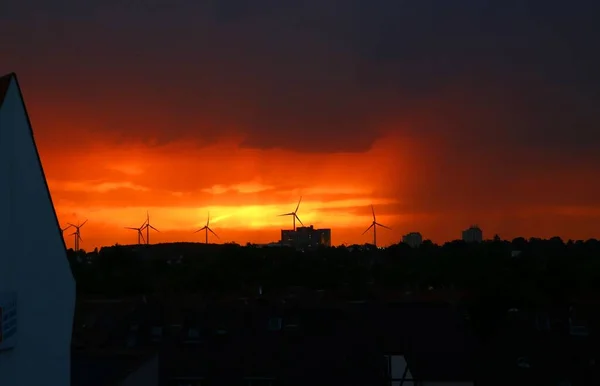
[{"x": 33, "y": 260}]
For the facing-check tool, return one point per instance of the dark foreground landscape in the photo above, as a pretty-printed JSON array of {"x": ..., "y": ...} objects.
[{"x": 495, "y": 313}]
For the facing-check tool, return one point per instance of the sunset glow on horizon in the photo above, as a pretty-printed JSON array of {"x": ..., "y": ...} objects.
[{"x": 245, "y": 191}]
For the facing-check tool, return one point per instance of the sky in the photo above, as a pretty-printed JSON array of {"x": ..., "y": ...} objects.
[{"x": 441, "y": 114}]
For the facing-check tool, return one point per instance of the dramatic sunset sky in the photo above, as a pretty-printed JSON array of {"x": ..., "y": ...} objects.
[{"x": 440, "y": 113}]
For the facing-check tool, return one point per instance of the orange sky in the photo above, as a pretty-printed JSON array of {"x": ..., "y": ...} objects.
[
  {"x": 419, "y": 179},
  {"x": 439, "y": 115},
  {"x": 434, "y": 181},
  {"x": 245, "y": 189}
]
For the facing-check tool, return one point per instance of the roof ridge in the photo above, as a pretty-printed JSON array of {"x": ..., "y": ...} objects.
[{"x": 4, "y": 83}]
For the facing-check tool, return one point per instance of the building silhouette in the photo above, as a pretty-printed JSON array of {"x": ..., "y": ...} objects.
[
  {"x": 37, "y": 288},
  {"x": 306, "y": 237},
  {"x": 414, "y": 239},
  {"x": 472, "y": 235}
]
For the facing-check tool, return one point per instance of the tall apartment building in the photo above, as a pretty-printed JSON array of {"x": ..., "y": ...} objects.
[
  {"x": 472, "y": 235},
  {"x": 306, "y": 237},
  {"x": 414, "y": 239}
]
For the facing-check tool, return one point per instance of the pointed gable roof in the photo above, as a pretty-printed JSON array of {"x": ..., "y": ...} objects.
[{"x": 4, "y": 83}]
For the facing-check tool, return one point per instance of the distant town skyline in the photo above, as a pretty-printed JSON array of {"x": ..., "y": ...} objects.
[
  {"x": 266, "y": 235},
  {"x": 439, "y": 113}
]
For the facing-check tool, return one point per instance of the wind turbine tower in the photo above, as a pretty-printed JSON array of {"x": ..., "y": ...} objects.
[
  {"x": 147, "y": 227},
  {"x": 374, "y": 225},
  {"x": 140, "y": 234},
  {"x": 294, "y": 215},
  {"x": 207, "y": 229},
  {"x": 76, "y": 234}
]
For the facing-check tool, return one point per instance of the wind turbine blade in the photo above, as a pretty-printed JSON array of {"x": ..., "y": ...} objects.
[
  {"x": 143, "y": 225},
  {"x": 153, "y": 228},
  {"x": 142, "y": 236},
  {"x": 373, "y": 211},
  {"x": 368, "y": 229},
  {"x": 74, "y": 233},
  {"x": 286, "y": 214},
  {"x": 211, "y": 231},
  {"x": 83, "y": 223},
  {"x": 79, "y": 237},
  {"x": 201, "y": 229},
  {"x": 383, "y": 226},
  {"x": 298, "y": 218},
  {"x": 207, "y": 218},
  {"x": 135, "y": 229},
  {"x": 71, "y": 225},
  {"x": 298, "y": 206}
]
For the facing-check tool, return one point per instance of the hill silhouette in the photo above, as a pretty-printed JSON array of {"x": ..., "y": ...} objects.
[{"x": 520, "y": 271}]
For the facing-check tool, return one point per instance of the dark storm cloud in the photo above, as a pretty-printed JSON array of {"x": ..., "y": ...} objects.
[{"x": 322, "y": 75}]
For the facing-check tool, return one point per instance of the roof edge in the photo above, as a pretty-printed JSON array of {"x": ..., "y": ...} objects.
[
  {"x": 5, "y": 84},
  {"x": 13, "y": 76}
]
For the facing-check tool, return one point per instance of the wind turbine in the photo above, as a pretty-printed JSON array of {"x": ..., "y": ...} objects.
[
  {"x": 147, "y": 228},
  {"x": 294, "y": 214},
  {"x": 374, "y": 225},
  {"x": 139, "y": 230},
  {"x": 77, "y": 233},
  {"x": 207, "y": 229}
]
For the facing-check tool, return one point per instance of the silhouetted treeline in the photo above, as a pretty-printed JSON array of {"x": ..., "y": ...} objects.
[{"x": 530, "y": 271}]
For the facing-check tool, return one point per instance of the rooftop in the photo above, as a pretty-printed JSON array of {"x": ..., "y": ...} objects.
[
  {"x": 4, "y": 83},
  {"x": 263, "y": 338}
]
